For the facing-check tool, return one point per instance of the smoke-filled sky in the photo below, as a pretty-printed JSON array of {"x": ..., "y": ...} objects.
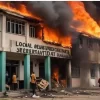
[
  {"x": 56, "y": 14},
  {"x": 93, "y": 8}
]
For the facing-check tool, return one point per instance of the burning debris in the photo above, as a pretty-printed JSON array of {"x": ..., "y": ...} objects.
[{"x": 61, "y": 20}]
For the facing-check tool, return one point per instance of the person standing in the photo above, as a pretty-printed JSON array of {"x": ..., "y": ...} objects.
[
  {"x": 14, "y": 81},
  {"x": 33, "y": 84}
]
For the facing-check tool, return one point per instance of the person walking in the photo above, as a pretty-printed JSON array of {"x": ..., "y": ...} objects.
[
  {"x": 14, "y": 81},
  {"x": 33, "y": 84}
]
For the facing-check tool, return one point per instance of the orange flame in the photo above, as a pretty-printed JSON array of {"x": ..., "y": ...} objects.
[
  {"x": 88, "y": 24},
  {"x": 52, "y": 35},
  {"x": 49, "y": 34},
  {"x": 55, "y": 74},
  {"x": 22, "y": 10}
]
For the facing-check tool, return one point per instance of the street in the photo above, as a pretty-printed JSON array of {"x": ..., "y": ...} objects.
[{"x": 63, "y": 98}]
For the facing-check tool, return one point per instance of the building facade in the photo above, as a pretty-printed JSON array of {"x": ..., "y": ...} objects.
[
  {"x": 86, "y": 61},
  {"x": 22, "y": 52}
]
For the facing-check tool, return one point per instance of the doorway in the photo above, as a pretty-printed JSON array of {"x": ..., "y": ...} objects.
[{"x": 11, "y": 67}]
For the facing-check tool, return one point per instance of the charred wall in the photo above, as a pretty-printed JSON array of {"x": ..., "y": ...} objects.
[{"x": 85, "y": 51}]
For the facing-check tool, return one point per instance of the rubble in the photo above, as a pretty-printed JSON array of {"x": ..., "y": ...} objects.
[{"x": 54, "y": 93}]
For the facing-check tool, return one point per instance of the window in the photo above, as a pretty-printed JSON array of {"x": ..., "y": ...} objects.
[
  {"x": 81, "y": 41},
  {"x": 75, "y": 72},
  {"x": 90, "y": 44},
  {"x": 15, "y": 26},
  {"x": 92, "y": 70},
  {"x": 32, "y": 31}
]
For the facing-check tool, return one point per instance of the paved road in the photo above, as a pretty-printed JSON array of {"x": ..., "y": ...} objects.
[
  {"x": 80, "y": 97},
  {"x": 74, "y": 95}
]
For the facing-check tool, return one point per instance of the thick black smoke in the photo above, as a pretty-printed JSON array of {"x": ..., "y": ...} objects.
[
  {"x": 56, "y": 14},
  {"x": 93, "y": 9}
]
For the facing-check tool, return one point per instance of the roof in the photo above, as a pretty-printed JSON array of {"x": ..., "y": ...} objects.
[
  {"x": 21, "y": 16},
  {"x": 89, "y": 36}
]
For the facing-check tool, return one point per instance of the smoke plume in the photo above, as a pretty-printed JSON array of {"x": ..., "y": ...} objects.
[
  {"x": 57, "y": 15},
  {"x": 93, "y": 10}
]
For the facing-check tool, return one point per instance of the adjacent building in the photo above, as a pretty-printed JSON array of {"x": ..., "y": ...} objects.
[{"x": 86, "y": 61}]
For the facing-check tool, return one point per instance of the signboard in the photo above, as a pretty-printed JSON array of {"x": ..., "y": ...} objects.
[{"x": 40, "y": 50}]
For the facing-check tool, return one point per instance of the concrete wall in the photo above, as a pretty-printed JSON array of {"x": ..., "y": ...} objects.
[
  {"x": 75, "y": 82},
  {"x": 36, "y": 67},
  {"x": 21, "y": 69},
  {"x": 7, "y": 37},
  {"x": 92, "y": 82}
]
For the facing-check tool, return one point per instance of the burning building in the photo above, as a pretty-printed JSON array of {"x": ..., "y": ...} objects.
[
  {"x": 38, "y": 36},
  {"x": 27, "y": 44},
  {"x": 85, "y": 51}
]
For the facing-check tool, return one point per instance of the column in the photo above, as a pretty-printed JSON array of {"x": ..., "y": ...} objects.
[
  {"x": 69, "y": 77},
  {"x": 2, "y": 70},
  {"x": 48, "y": 70},
  {"x": 85, "y": 76},
  {"x": 27, "y": 71},
  {"x": 96, "y": 74}
]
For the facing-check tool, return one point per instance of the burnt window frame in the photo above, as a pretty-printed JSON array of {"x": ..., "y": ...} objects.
[
  {"x": 90, "y": 44},
  {"x": 92, "y": 71},
  {"x": 75, "y": 72},
  {"x": 16, "y": 24}
]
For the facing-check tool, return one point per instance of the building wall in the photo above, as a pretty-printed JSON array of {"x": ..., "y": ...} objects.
[
  {"x": 75, "y": 82},
  {"x": 92, "y": 82},
  {"x": 36, "y": 67},
  {"x": 7, "y": 38},
  {"x": 87, "y": 55},
  {"x": 21, "y": 69}
]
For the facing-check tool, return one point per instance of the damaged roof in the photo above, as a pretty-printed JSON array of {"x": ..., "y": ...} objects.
[
  {"x": 28, "y": 18},
  {"x": 88, "y": 35}
]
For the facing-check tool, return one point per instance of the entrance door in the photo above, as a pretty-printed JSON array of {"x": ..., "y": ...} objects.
[
  {"x": 41, "y": 70},
  {"x": 11, "y": 67},
  {"x": 10, "y": 71}
]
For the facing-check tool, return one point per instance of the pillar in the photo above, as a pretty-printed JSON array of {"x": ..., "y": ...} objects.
[
  {"x": 27, "y": 71},
  {"x": 48, "y": 70},
  {"x": 2, "y": 70},
  {"x": 69, "y": 77},
  {"x": 85, "y": 76},
  {"x": 96, "y": 74}
]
